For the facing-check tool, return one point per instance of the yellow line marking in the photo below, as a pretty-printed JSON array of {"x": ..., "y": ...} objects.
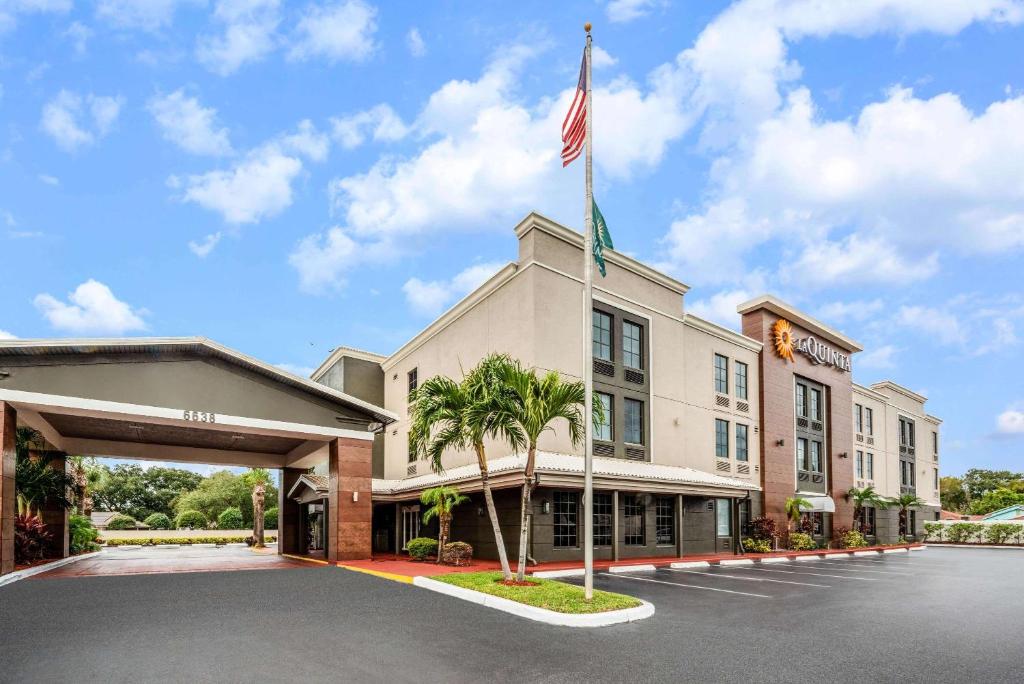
[
  {"x": 303, "y": 558},
  {"x": 378, "y": 573}
]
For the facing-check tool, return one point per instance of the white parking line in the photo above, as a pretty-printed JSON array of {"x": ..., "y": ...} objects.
[
  {"x": 818, "y": 574},
  {"x": 752, "y": 579},
  {"x": 863, "y": 569},
  {"x": 687, "y": 586}
]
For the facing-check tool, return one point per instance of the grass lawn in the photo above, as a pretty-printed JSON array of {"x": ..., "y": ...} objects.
[{"x": 556, "y": 596}]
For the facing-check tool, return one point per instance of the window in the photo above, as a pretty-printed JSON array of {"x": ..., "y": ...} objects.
[
  {"x": 858, "y": 418},
  {"x": 566, "y": 507},
  {"x": 665, "y": 520},
  {"x": 935, "y": 471},
  {"x": 632, "y": 345},
  {"x": 906, "y": 433},
  {"x": 602, "y": 519},
  {"x": 869, "y": 421},
  {"x": 741, "y": 380},
  {"x": 913, "y": 523},
  {"x": 815, "y": 522},
  {"x": 602, "y": 323},
  {"x": 413, "y": 381},
  {"x": 860, "y": 465},
  {"x": 721, "y": 438},
  {"x": 907, "y": 473},
  {"x": 801, "y": 454},
  {"x": 721, "y": 374},
  {"x": 935, "y": 443},
  {"x": 903, "y": 474},
  {"x": 870, "y": 466},
  {"x": 604, "y": 429},
  {"x": 815, "y": 404},
  {"x": 867, "y": 520},
  {"x": 801, "y": 400},
  {"x": 816, "y": 457},
  {"x": 633, "y": 517},
  {"x": 741, "y": 442},
  {"x": 723, "y": 517},
  {"x": 634, "y": 414}
]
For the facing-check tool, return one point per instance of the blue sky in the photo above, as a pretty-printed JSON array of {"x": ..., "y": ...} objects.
[{"x": 287, "y": 177}]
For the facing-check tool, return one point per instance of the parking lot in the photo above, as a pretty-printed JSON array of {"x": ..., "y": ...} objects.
[{"x": 939, "y": 615}]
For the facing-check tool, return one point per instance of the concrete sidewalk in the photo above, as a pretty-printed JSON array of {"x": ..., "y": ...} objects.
[{"x": 161, "y": 559}]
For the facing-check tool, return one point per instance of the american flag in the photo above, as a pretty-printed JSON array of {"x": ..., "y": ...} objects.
[{"x": 574, "y": 128}]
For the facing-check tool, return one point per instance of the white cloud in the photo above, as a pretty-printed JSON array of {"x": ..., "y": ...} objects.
[
  {"x": 1010, "y": 422},
  {"x": 936, "y": 323},
  {"x": 186, "y": 123},
  {"x": 341, "y": 31},
  {"x": 414, "y": 41},
  {"x": 379, "y": 122},
  {"x": 721, "y": 307},
  {"x": 249, "y": 35},
  {"x": 306, "y": 141},
  {"x": 856, "y": 311},
  {"x": 91, "y": 308},
  {"x": 294, "y": 369},
  {"x": 879, "y": 357},
  {"x": 321, "y": 259},
  {"x": 4, "y": 335},
  {"x": 601, "y": 58},
  {"x": 11, "y": 9},
  {"x": 49, "y": 180},
  {"x": 858, "y": 259},
  {"x": 1002, "y": 337},
  {"x": 623, "y": 11},
  {"x": 145, "y": 15},
  {"x": 79, "y": 35},
  {"x": 203, "y": 249},
  {"x": 63, "y": 118},
  {"x": 432, "y": 297},
  {"x": 256, "y": 187}
]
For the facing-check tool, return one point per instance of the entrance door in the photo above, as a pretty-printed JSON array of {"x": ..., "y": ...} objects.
[
  {"x": 316, "y": 529},
  {"x": 410, "y": 524}
]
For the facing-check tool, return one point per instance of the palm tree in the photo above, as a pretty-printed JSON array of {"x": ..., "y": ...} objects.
[
  {"x": 533, "y": 404},
  {"x": 446, "y": 415},
  {"x": 795, "y": 506},
  {"x": 257, "y": 479},
  {"x": 861, "y": 498},
  {"x": 36, "y": 481},
  {"x": 441, "y": 500},
  {"x": 905, "y": 502}
]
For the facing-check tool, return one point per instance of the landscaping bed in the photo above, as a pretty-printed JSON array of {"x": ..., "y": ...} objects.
[
  {"x": 541, "y": 593},
  {"x": 160, "y": 541}
]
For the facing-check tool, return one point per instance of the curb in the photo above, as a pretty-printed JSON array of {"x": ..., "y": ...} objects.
[
  {"x": 807, "y": 558},
  {"x": 689, "y": 564},
  {"x": 405, "y": 579},
  {"x": 737, "y": 561},
  {"x": 13, "y": 577},
  {"x": 894, "y": 551},
  {"x": 865, "y": 553},
  {"x": 775, "y": 559},
  {"x": 555, "y": 574},
  {"x": 644, "y": 567},
  {"x": 613, "y": 617}
]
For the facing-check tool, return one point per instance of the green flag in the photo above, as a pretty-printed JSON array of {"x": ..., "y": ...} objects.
[{"x": 602, "y": 238}]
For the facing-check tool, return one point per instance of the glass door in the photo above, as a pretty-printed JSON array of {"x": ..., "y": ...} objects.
[
  {"x": 410, "y": 524},
  {"x": 315, "y": 527}
]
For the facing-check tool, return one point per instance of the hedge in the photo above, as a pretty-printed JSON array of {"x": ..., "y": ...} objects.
[
  {"x": 192, "y": 519},
  {"x": 421, "y": 547},
  {"x": 122, "y": 522},
  {"x": 162, "y": 541},
  {"x": 158, "y": 521},
  {"x": 230, "y": 519},
  {"x": 270, "y": 519}
]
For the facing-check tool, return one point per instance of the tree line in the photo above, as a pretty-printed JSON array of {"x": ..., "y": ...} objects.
[{"x": 979, "y": 491}]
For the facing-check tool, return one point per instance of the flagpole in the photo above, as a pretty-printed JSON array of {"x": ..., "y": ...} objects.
[{"x": 588, "y": 348}]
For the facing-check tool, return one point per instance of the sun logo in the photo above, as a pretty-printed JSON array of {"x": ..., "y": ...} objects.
[{"x": 782, "y": 333}]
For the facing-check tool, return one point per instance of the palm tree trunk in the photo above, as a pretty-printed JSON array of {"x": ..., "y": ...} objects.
[
  {"x": 524, "y": 516},
  {"x": 492, "y": 513},
  {"x": 444, "y": 522},
  {"x": 258, "y": 498}
]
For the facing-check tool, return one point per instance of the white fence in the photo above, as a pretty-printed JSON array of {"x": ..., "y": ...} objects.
[{"x": 973, "y": 531}]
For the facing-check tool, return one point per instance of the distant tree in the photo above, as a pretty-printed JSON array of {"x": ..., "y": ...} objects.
[
  {"x": 952, "y": 494},
  {"x": 129, "y": 488},
  {"x": 979, "y": 481},
  {"x": 795, "y": 506},
  {"x": 230, "y": 519},
  {"x": 866, "y": 496},
  {"x": 223, "y": 489},
  {"x": 996, "y": 500},
  {"x": 441, "y": 502},
  {"x": 905, "y": 502}
]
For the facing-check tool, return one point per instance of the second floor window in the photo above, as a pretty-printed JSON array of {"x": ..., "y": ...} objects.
[
  {"x": 742, "y": 453},
  {"x": 801, "y": 400},
  {"x": 413, "y": 381},
  {"x": 815, "y": 404},
  {"x": 906, "y": 432},
  {"x": 603, "y": 430},
  {"x": 634, "y": 418},
  {"x": 741, "y": 380},
  {"x": 721, "y": 374},
  {"x": 860, "y": 465},
  {"x": 801, "y": 455},
  {"x": 632, "y": 345},
  {"x": 869, "y": 421},
  {"x": 602, "y": 336},
  {"x": 869, "y": 466},
  {"x": 935, "y": 443},
  {"x": 816, "y": 457},
  {"x": 721, "y": 438},
  {"x": 858, "y": 418}
]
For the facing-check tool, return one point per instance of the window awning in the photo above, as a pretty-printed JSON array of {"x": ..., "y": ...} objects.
[{"x": 820, "y": 504}]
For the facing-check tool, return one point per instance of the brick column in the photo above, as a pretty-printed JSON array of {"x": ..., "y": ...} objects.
[
  {"x": 8, "y": 456},
  {"x": 349, "y": 506},
  {"x": 288, "y": 520},
  {"x": 55, "y": 517}
]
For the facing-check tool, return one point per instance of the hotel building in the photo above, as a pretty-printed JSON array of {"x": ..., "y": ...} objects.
[{"x": 705, "y": 427}]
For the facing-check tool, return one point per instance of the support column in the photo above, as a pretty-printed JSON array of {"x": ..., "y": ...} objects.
[
  {"x": 615, "y": 525},
  {"x": 53, "y": 516},
  {"x": 679, "y": 525},
  {"x": 350, "y": 505},
  {"x": 288, "y": 519},
  {"x": 8, "y": 456}
]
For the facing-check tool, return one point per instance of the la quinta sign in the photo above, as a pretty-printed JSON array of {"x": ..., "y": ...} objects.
[{"x": 786, "y": 343}]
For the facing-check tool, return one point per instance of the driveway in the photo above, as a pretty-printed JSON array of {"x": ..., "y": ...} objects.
[
  {"x": 159, "y": 559},
  {"x": 941, "y": 615}
]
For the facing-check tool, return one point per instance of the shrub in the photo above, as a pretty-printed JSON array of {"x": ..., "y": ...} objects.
[
  {"x": 1001, "y": 533},
  {"x": 270, "y": 519},
  {"x": 962, "y": 532},
  {"x": 934, "y": 530},
  {"x": 764, "y": 528},
  {"x": 852, "y": 539},
  {"x": 801, "y": 541},
  {"x": 457, "y": 553},
  {"x": 30, "y": 538},
  {"x": 421, "y": 547},
  {"x": 230, "y": 519},
  {"x": 752, "y": 545},
  {"x": 158, "y": 521},
  {"x": 191, "y": 519},
  {"x": 122, "y": 522},
  {"x": 82, "y": 535},
  {"x": 161, "y": 541}
]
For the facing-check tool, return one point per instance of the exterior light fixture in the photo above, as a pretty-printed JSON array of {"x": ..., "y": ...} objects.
[
  {"x": 545, "y": 506},
  {"x": 780, "y": 442}
]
